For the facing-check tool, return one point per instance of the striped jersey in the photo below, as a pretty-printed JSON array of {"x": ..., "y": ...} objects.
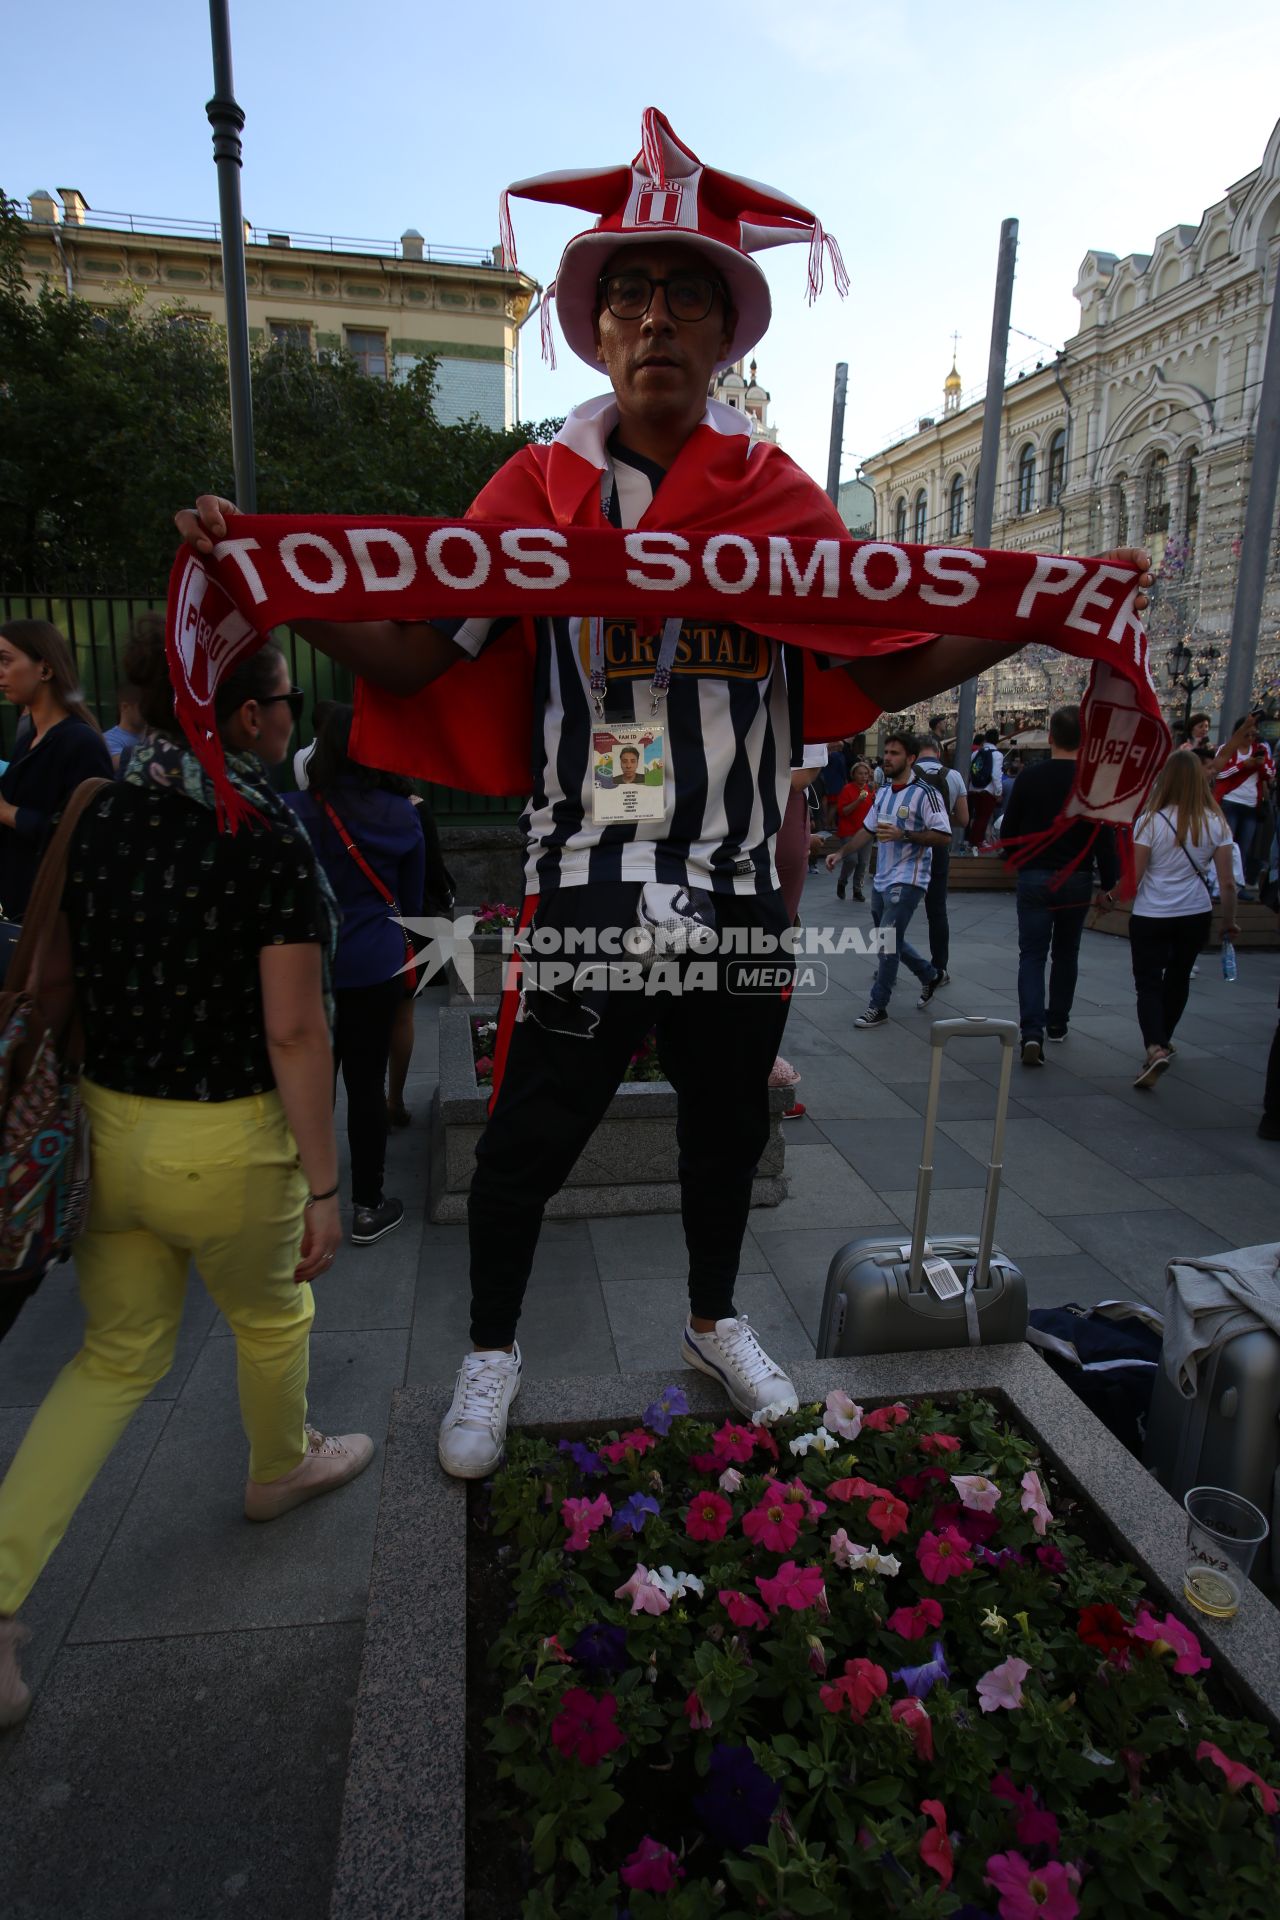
[
  {"x": 726, "y": 747},
  {"x": 916, "y": 808}
]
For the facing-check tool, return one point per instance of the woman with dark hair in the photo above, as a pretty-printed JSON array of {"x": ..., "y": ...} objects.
[
  {"x": 367, "y": 838},
  {"x": 64, "y": 747},
  {"x": 198, "y": 963}
]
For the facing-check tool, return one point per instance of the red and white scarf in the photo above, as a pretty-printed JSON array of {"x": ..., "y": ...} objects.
[{"x": 736, "y": 530}]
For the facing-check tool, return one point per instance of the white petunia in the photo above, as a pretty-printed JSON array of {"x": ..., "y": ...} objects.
[{"x": 674, "y": 1585}]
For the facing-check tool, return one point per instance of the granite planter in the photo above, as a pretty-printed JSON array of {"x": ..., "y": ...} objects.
[
  {"x": 628, "y": 1166},
  {"x": 489, "y": 960},
  {"x": 401, "y": 1852}
]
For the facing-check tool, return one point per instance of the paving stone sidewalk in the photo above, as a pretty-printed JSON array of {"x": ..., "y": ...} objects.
[{"x": 196, "y": 1675}]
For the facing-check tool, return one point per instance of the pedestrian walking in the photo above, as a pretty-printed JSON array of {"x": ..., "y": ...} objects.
[
  {"x": 1056, "y": 884},
  {"x": 986, "y": 782},
  {"x": 951, "y": 788},
  {"x": 1179, "y": 836},
  {"x": 197, "y": 964},
  {"x": 367, "y": 837},
  {"x": 1243, "y": 789},
  {"x": 853, "y": 803}
]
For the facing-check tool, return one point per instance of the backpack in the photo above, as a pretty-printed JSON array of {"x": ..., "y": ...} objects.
[
  {"x": 44, "y": 1134},
  {"x": 938, "y": 782},
  {"x": 981, "y": 768},
  {"x": 1109, "y": 1355}
]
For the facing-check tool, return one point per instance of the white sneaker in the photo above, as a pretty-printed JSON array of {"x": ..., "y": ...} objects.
[
  {"x": 473, "y": 1434},
  {"x": 733, "y": 1356}
]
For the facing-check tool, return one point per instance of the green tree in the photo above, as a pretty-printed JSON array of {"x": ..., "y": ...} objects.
[{"x": 108, "y": 420}]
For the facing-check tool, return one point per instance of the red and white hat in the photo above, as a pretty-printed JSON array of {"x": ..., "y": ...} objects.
[{"x": 667, "y": 193}]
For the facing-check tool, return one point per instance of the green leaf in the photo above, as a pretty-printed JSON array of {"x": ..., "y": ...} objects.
[
  {"x": 578, "y": 1856},
  {"x": 879, "y": 1793}
]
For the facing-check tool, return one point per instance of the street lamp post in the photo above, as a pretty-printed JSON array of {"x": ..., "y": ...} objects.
[
  {"x": 226, "y": 117},
  {"x": 1182, "y": 674}
]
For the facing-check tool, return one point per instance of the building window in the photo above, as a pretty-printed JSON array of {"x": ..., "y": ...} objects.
[
  {"x": 295, "y": 333},
  {"x": 1027, "y": 479},
  {"x": 955, "y": 510},
  {"x": 369, "y": 351},
  {"x": 900, "y": 520},
  {"x": 1057, "y": 474},
  {"x": 1122, "y": 509},
  {"x": 921, "y": 522},
  {"x": 1155, "y": 514},
  {"x": 1193, "y": 503}
]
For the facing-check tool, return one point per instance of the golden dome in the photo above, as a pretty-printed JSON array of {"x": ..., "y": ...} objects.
[{"x": 952, "y": 382}]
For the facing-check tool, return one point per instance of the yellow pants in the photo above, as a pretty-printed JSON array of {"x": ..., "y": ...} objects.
[{"x": 173, "y": 1181}]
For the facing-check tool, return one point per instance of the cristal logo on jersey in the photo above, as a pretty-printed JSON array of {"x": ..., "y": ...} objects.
[{"x": 711, "y": 649}]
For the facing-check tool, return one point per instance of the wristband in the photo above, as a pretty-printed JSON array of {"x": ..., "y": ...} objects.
[{"x": 313, "y": 1197}]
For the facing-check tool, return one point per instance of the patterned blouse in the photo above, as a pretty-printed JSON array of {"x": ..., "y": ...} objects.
[{"x": 168, "y": 917}]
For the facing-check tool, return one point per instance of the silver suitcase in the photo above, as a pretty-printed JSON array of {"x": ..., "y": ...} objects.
[
  {"x": 887, "y": 1295},
  {"x": 1228, "y": 1435}
]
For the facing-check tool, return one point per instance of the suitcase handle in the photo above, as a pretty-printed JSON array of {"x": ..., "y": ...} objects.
[{"x": 942, "y": 1032}]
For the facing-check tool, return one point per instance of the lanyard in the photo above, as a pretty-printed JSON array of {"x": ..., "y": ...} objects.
[{"x": 661, "y": 681}]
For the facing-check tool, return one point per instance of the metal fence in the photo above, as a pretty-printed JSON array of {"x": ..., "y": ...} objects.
[{"x": 98, "y": 625}]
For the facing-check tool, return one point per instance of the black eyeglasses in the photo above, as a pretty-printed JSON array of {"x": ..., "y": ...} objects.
[
  {"x": 689, "y": 296},
  {"x": 295, "y": 696}
]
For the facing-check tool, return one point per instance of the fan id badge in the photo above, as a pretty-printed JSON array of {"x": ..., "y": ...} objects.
[{"x": 628, "y": 773}]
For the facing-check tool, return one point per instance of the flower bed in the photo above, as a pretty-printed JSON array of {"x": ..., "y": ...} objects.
[
  {"x": 745, "y": 1672},
  {"x": 644, "y": 1065}
]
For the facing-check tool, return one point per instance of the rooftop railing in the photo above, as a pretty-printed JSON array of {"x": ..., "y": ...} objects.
[{"x": 156, "y": 226}]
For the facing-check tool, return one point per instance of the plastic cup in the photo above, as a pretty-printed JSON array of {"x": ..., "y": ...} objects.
[{"x": 1223, "y": 1534}]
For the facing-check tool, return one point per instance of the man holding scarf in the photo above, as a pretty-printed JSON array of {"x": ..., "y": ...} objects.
[{"x": 662, "y": 292}]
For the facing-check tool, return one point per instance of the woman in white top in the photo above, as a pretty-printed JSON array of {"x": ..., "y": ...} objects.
[{"x": 1179, "y": 841}]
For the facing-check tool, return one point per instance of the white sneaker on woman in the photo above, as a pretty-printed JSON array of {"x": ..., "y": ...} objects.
[
  {"x": 732, "y": 1355},
  {"x": 473, "y": 1434}
]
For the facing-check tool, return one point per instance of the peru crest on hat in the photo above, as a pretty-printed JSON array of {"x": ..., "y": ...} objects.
[{"x": 666, "y": 193}]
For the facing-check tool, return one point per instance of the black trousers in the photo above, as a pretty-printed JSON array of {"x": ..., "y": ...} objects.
[
  {"x": 1163, "y": 951},
  {"x": 361, "y": 1044},
  {"x": 935, "y": 908},
  {"x": 14, "y": 1295},
  {"x": 716, "y": 1048}
]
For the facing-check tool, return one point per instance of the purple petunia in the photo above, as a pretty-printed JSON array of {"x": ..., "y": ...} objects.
[
  {"x": 740, "y": 1798},
  {"x": 581, "y": 1455},
  {"x": 918, "y": 1680},
  {"x": 634, "y": 1512},
  {"x": 666, "y": 1408},
  {"x": 600, "y": 1649}
]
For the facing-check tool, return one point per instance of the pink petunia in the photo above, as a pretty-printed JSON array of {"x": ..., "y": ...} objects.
[
  {"x": 1033, "y": 1893},
  {"x": 938, "y": 1443},
  {"x": 707, "y": 1516},
  {"x": 551, "y": 1646},
  {"x": 586, "y": 1728},
  {"x": 859, "y": 1687},
  {"x": 775, "y": 1523},
  {"x": 1052, "y": 1559},
  {"x": 583, "y": 1518},
  {"x": 742, "y": 1609},
  {"x": 885, "y": 1417},
  {"x": 644, "y": 1590},
  {"x": 797, "y": 1490},
  {"x": 734, "y": 1443},
  {"x": 1034, "y": 1502},
  {"x": 935, "y": 1848},
  {"x": 976, "y": 1491},
  {"x": 912, "y": 1623},
  {"x": 1238, "y": 1776},
  {"x": 652, "y": 1868},
  {"x": 842, "y": 1415},
  {"x": 855, "y": 1488},
  {"x": 1170, "y": 1636},
  {"x": 1002, "y": 1685},
  {"x": 888, "y": 1516},
  {"x": 792, "y": 1586},
  {"x": 637, "y": 1441},
  {"x": 972, "y": 1524},
  {"x": 1036, "y": 1826},
  {"x": 912, "y": 1485},
  {"x": 943, "y": 1556},
  {"x": 912, "y": 1714},
  {"x": 695, "y": 1713}
]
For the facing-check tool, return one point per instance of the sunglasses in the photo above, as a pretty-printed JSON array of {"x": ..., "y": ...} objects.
[{"x": 295, "y": 696}]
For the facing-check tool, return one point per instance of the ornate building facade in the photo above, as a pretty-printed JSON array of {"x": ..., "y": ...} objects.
[
  {"x": 1138, "y": 432},
  {"x": 741, "y": 389},
  {"x": 387, "y": 303}
]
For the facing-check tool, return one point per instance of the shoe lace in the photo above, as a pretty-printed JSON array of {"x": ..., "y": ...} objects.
[
  {"x": 746, "y": 1353},
  {"x": 326, "y": 1443},
  {"x": 482, "y": 1383}
]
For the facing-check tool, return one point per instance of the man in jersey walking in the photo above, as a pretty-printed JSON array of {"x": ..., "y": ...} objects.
[{"x": 662, "y": 292}]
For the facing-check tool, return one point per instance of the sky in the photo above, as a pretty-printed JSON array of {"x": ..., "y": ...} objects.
[{"x": 912, "y": 130}]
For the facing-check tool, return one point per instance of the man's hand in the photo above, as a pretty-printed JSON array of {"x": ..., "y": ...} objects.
[
  {"x": 206, "y": 522},
  {"x": 890, "y": 832},
  {"x": 1139, "y": 558},
  {"x": 831, "y": 860}
]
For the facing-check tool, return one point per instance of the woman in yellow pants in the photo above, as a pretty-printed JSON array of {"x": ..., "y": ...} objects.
[{"x": 198, "y": 962}]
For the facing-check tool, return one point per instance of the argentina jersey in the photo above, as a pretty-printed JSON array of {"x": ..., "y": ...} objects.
[{"x": 726, "y": 749}]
